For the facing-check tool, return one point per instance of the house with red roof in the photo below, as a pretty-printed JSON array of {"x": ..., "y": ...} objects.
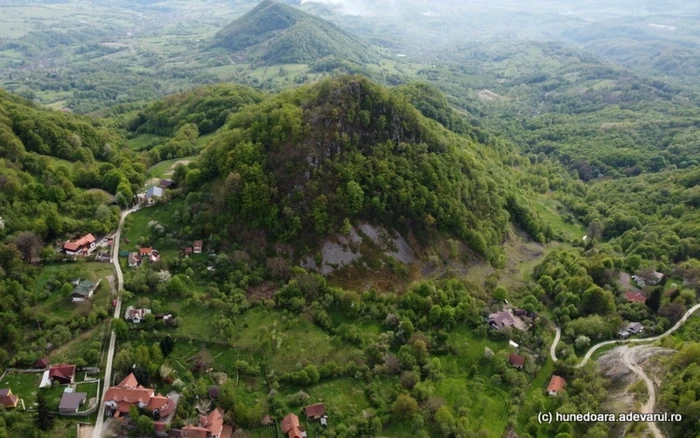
[
  {"x": 517, "y": 361},
  {"x": 7, "y": 399},
  {"x": 635, "y": 297},
  {"x": 81, "y": 246},
  {"x": 120, "y": 398},
  {"x": 209, "y": 426},
  {"x": 198, "y": 244},
  {"x": 291, "y": 427},
  {"x": 42, "y": 363},
  {"x": 62, "y": 373},
  {"x": 556, "y": 384},
  {"x": 315, "y": 412}
]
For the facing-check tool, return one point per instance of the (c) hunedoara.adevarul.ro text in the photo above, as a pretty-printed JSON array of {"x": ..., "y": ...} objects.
[{"x": 591, "y": 417}]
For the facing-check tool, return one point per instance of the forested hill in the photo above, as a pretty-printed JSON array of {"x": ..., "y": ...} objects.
[
  {"x": 301, "y": 164},
  {"x": 57, "y": 171},
  {"x": 280, "y": 34}
]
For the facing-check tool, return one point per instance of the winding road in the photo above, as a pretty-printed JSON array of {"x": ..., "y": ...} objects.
[
  {"x": 648, "y": 408},
  {"x": 99, "y": 423},
  {"x": 553, "y": 348},
  {"x": 627, "y": 358}
]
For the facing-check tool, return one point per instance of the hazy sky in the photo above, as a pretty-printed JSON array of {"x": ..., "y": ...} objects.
[{"x": 361, "y": 7}]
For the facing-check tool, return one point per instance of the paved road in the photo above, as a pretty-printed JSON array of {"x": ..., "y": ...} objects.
[
  {"x": 648, "y": 408},
  {"x": 552, "y": 349},
  {"x": 97, "y": 431}
]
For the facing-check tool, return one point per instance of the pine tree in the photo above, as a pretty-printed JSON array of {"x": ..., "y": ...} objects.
[{"x": 44, "y": 418}]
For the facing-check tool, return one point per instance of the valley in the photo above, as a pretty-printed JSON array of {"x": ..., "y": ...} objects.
[{"x": 247, "y": 212}]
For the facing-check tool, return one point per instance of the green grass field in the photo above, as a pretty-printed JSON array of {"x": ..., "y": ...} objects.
[
  {"x": 59, "y": 308},
  {"x": 137, "y": 225},
  {"x": 142, "y": 141},
  {"x": 288, "y": 339},
  {"x": 547, "y": 208},
  {"x": 163, "y": 168},
  {"x": 26, "y": 387}
]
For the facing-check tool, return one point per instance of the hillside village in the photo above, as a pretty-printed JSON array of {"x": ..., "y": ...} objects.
[
  {"x": 131, "y": 402},
  {"x": 284, "y": 219}
]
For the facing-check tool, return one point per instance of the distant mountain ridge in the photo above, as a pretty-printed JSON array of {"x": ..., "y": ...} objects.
[{"x": 276, "y": 33}]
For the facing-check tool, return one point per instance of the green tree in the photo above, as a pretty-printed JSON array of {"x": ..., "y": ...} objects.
[
  {"x": 445, "y": 421},
  {"x": 167, "y": 345},
  {"x": 500, "y": 293},
  {"x": 120, "y": 328},
  {"x": 355, "y": 197},
  {"x": 404, "y": 407},
  {"x": 43, "y": 416}
]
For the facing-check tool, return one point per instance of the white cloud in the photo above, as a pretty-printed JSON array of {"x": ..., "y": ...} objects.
[{"x": 360, "y": 7}]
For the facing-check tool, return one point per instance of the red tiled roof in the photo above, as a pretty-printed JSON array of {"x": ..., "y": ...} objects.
[
  {"x": 62, "y": 371},
  {"x": 198, "y": 244},
  {"x": 83, "y": 241},
  {"x": 227, "y": 431},
  {"x": 314, "y": 411},
  {"x": 168, "y": 409},
  {"x": 129, "y": 382},
  {"x": 124, "y": 407},
  {"x": 9, "y": 401},
  {"x": 516, "y": 360},
  {"x": 71, "y": 246},
  {"x": 556, "y": 384},
  {"x": 188, "y": 250},
  {"x": 214, "y": 422},
  {"x": 129, "y": 395},
  {"x": 145, "y": 251},
  {"x": 190, "y": 431},
  {"x": 289, "y": 422},
  {"x": 42, "y": 363},
  {"x": 635, "y": 297},
  {"x": 158, "y": 426},
  {"x": 157, "y": 402}
]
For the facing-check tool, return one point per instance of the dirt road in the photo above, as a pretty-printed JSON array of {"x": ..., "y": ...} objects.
[
  {"x": 552, "y": 349},
  {"x": 629, "y": 359}
]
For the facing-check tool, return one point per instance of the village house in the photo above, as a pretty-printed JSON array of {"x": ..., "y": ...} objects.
[
  {"x": 153, "y": 194},
  {"x": 134, "y": 260},
  {"x": 152, "y": 255},
  {"x": 517, "y": 361},
  {"x": 104, "y": 257},
  {"x": 652, "y": 278},
  {"x": 71, "y": 402},
  {"x": 150, "y": 196},
  {"x": 209, "y": 426},
  {"x": 7, "y": 399},
  {"x": 135, "y": 315},
  {"x": 82, "y": 246},
  {"x": 505, "y": 318},
  {"x": 635, "y": 297},
  {"x": 42, "y": 363},
  {"x": 556, "y": 384},
  {"x": 198, "y": 246},
  {"x": 120, "y": 398},
  {"x": 188, "y": 251},
  {"x": 62, "y": 373},
  {"x": 315, "y": 412},
  {"x": 292, "y": 428},
  {"x": 83, "y": 291},
  {"x": 633, "y": 328}
]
